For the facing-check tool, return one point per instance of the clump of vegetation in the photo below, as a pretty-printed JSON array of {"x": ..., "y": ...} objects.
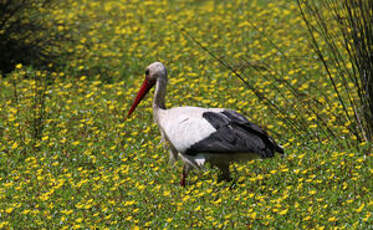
[
  {"x": 29, "y": 34},
  {"x": 346, "y": 34}
]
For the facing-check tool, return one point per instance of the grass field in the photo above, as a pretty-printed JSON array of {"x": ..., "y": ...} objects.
[{"x": 70, "y": 160}]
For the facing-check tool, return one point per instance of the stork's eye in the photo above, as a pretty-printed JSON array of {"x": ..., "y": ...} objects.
[{"x": 147, "y": 72}]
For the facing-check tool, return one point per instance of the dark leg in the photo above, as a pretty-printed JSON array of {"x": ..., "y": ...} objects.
[
  {"x": 225, "y": 175},
  {"x": 184, "y": 175}
]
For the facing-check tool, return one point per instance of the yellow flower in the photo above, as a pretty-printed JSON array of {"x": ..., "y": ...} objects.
[
  {"x": 312, "y": 192},
  {"x": 135, "y": 227},
  {"x": 358, "y": 210},
  {"x": 15, "y": 145},
  {"x": 283, "y": 212},
  {"x": 3, "y": 224},
  {"x": 367, "y": 217},
  {"x": 76, "y": 143},
  {"x": 332, "y": 219},
  {"x": 9, "y": 210}
]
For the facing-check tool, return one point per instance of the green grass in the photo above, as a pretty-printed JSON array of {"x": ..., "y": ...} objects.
[{"x": 92, "y": 168}]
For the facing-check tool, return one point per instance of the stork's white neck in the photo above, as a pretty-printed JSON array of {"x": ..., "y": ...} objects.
[{"x": 159, "y": 97}]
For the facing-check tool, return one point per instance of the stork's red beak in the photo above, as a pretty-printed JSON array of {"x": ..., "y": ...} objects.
[{"x": 145, "y": 87}]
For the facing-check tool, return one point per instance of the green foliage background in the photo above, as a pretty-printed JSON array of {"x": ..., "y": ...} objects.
[{"x": 88, "y": 167}]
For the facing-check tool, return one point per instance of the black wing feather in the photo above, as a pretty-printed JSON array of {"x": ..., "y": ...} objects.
[
  {"x": 234, "y": 134},
  {"x": 251, "y": 127}
]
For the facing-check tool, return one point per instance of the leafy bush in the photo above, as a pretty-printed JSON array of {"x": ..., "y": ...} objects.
[{"x": 29, "y": 34}]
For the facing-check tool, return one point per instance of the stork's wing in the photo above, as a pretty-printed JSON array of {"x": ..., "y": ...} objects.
[
  {"x": 234, "y": 134},
  {"x": 238, "y": 118}
]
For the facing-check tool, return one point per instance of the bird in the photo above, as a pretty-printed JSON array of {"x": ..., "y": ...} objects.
[{"x": 199, "y": 135}]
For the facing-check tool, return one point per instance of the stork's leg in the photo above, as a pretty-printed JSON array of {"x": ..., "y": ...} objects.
[
  {"x": 172, "y": 156},
  {"x": 172, "y": 152},
  {"x": 225, "y": 173},
  {"x": 186, "y": 169}
]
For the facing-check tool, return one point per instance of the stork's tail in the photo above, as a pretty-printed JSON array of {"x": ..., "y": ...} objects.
[
  {"x": 276, "y": 147},
  {"x": 279, "y": 148}
]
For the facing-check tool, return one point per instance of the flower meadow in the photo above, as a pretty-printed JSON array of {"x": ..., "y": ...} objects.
[{"x": 69, "y": 158}]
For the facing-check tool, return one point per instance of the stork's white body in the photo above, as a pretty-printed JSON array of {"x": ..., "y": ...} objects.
[
  {"x": 184, "y": 126},
  {"x": 200, "y": 135}
]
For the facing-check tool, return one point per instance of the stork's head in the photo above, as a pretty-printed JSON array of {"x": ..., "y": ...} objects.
[
  {"x": 155, "y": 70},
  {"x": 153, "y": 73}
]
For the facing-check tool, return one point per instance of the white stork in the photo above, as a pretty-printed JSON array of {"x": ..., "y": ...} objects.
[{"x": 199, "y": 135}]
